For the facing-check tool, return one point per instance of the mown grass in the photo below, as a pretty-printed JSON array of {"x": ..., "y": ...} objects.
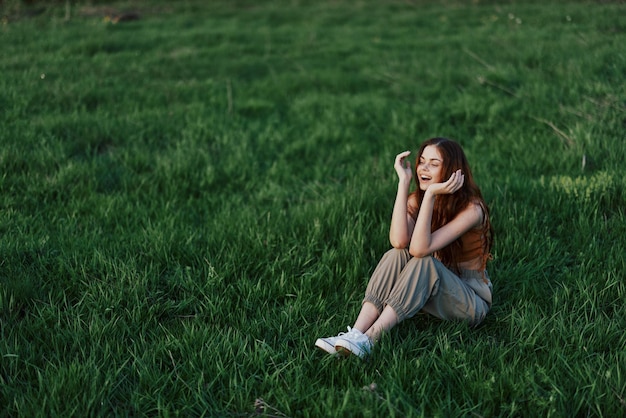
[{"x": 190, "y": 199}]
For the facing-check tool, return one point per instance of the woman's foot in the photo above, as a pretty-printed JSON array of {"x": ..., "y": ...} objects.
[
  {"x": 328, "y": 343},
  {"x": 354, "y": 342}
]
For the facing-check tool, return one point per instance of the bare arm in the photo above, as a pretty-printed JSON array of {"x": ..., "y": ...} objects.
[
  {"x": 424, "y": 241},
  {"x": 401, "y": 223}
]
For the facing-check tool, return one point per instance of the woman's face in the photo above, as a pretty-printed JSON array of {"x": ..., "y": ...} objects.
[{"x": 429, "y": 167}]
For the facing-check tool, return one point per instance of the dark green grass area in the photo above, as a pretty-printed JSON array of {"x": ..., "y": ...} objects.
[{"x": 188, "y": 200}]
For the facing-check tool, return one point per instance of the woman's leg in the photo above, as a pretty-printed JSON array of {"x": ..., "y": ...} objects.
[
  {"x": 457, "y": 298},
  {"x": 426, "y": 284},
  {"x": 367, "y": 316},
  {"x": 417, "y": 283},
  {"x": 399, "y": 285},
  {"x": 423, "y": 284},
  {"x": 380, "y": 285},
  {"x": 387, "y": 320},
  {"x": 414, "y": 286}
]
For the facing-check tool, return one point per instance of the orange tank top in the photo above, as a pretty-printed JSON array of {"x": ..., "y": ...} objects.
[{"x": 473, "y": 242}]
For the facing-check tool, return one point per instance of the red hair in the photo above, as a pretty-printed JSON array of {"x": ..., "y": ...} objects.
[{"x": 447, "y": 206}]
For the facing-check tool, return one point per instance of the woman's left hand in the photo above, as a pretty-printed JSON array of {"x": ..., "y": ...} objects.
[{"x": 454, "y": 183}]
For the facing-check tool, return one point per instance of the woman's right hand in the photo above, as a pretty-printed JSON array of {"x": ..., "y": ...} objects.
[
  {"x": 403, "y": 167},
  {"x": 452, "y": 185}
]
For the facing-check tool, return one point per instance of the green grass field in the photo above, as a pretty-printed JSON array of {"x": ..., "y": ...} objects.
[{"x": 188, "y": 200}]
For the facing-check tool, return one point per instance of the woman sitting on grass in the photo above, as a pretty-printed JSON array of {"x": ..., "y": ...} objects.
[{"x": 441, "y": 238}]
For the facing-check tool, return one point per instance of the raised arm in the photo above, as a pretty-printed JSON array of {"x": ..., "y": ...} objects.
[
  {"x": 424, "y": 241},
  {"x": 401, "y": 223}
]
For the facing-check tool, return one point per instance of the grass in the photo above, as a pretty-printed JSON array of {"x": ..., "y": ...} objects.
[{"x": 188, "y": 200}]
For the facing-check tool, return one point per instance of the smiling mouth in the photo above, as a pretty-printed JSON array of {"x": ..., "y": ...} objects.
[{"x": 425, "y": 178}]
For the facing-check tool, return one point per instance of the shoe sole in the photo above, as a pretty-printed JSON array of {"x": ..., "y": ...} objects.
[
  {"x": 325, "y": 347},
  {"x": 346, "y": 352}
]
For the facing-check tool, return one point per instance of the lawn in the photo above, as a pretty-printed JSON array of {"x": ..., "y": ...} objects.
[{"x": 189, "y": 198}]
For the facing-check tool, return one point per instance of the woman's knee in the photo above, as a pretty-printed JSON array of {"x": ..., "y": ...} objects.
[
  {"x": 421, "y": 262},
  {"x": 421, "y": 269},
  {"x": 399, "y": 254}
]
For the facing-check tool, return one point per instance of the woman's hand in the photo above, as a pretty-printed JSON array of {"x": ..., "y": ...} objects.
[
  {"x": 403, "y": 167},
  {"x": 454, "y": 183}
]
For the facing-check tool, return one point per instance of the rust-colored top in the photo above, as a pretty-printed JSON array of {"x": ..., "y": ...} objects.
[{"x": 473, "y": 242}]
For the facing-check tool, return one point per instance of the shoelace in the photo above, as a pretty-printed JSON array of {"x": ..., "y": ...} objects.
[{"x": 352, "y": 333}]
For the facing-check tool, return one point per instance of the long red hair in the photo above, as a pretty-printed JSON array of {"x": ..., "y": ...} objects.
[{"x": 447, "y": 206}]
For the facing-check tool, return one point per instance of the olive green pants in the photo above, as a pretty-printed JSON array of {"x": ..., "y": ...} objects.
[{"x": 409, "y": 284}]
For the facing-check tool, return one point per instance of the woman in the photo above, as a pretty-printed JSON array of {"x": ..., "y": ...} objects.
[{"x": 441, "y": 238}]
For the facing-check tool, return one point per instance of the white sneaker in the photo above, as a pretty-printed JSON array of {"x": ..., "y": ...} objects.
[
  {"x": 328, "y": 344},
  {"x": 354, "y": 342}
]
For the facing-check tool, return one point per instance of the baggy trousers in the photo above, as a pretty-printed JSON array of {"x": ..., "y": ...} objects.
[{"x": 409, "y": 284}]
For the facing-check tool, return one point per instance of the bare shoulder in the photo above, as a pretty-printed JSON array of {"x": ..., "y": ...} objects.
[
  {"x": 472, "y": 216},
  {"x": 475, "y": 210}
]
